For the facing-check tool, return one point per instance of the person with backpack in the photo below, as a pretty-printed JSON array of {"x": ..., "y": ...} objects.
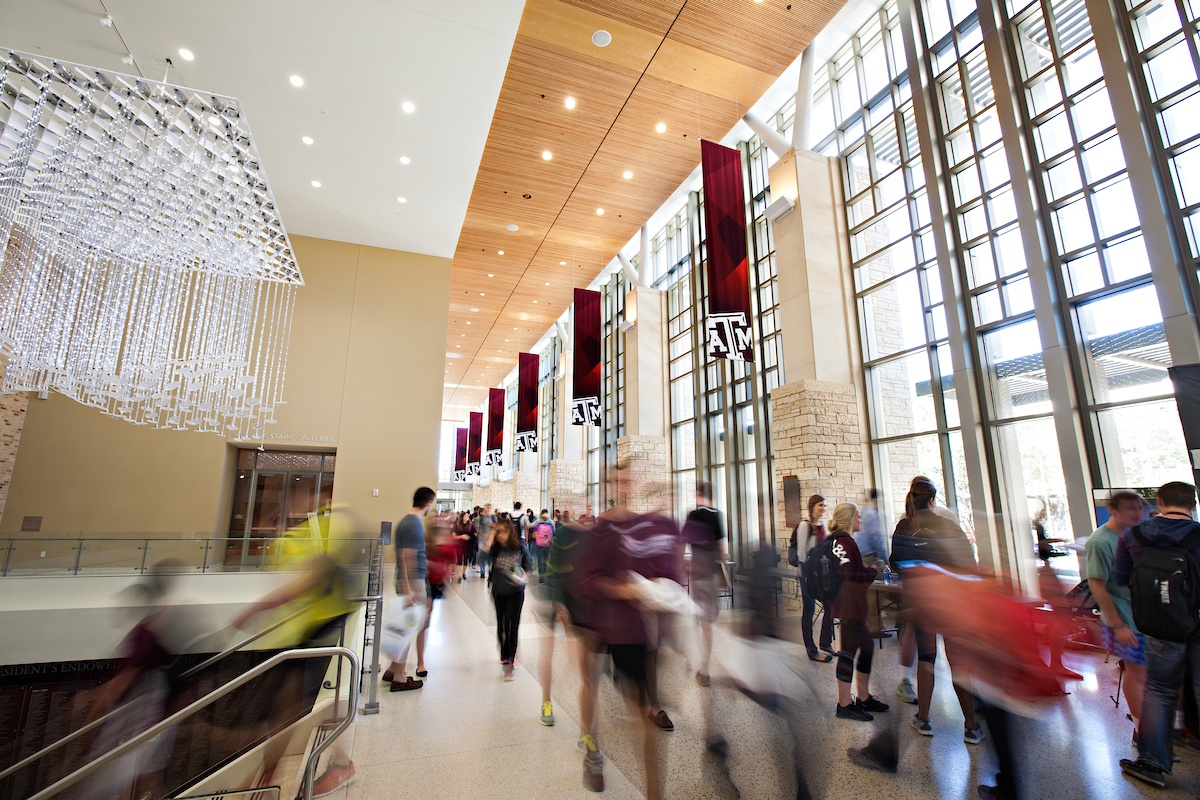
[
  {"x": 836, "y": 573},
  {"x": 542, "y": 534},
  {"x": 1159, "y": 560},
  {"x": 926, "y": 536},
  {"x": 807, "y": 535}
]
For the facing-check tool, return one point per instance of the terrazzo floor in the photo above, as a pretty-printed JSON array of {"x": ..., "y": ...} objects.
[{"x": 468, "y": 734}]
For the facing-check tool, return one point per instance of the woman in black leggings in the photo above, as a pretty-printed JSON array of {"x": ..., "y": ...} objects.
[
  {"x": 850, "y": 606},
  {"x": 510, "y": 564}
]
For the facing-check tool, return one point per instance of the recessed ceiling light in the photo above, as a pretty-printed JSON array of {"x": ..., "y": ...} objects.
[
  {"x": 569, "y": 103},
  {"x": 401, "y": 199},
  {"x": 297, "y": 81},
  {"x": 547, "y": 155},
  {"x": 407, "y": 107},
  {"x": 512, "y": 228},
  {"x": 306, "y": 139},
  {"x": 474, "y": 311},
  {"x": 599, "y": 212},
  {"x": 661, "y": 127},
  {"x": 316, "y": 184},
  {"x": 491, "y": 274},
  {"x": 627, "y": 174},
  {"x": 535, "y": 301},
  {"x": 562, "y": 263},
  {"x": 514, "y": 329},
  {"x": 483, "y": 294},
  {"x": 601, "y": 38},
  {"x": 186, "y": 55},
  {"x": 458, "y": 345},
  {"x": 547, "y": 283},
  {"x": 214, "y": 121},
  {"x": 405, "y": 160},
  {"x": 506, "y": 340},
  {"x": 499, "y": 252}
]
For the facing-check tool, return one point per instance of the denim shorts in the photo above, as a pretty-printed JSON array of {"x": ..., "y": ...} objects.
[{"x": 1127, "y": 654}]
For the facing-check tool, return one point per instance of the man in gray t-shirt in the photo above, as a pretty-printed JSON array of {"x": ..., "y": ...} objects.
[{"x": 411, "y": 571}]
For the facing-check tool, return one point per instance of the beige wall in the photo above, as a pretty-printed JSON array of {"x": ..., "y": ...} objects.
[{"x": 364, "y": 378}]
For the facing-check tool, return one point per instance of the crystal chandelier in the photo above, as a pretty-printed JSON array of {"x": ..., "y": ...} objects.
[{"x": 145, "y": 270}]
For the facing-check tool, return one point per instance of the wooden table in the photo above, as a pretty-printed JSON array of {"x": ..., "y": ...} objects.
[{"x": 887, "y": 595}]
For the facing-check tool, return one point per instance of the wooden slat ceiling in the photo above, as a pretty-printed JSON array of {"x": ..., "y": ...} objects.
[{"x": 696, "y": 65}]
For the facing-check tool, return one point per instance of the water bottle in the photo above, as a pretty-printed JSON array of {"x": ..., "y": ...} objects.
[{"x": 887, "y": 575}]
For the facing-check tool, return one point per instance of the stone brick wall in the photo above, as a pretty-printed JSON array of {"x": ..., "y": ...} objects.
[
  {"x": 527, "y": 485},
  {"x": 649, "y": 472},
  {"x": 12, "y": 420},
  {"x": 816, "y": 436},
  {"x": 498, "y": 493},
  {"x": 568, "y": 484}
]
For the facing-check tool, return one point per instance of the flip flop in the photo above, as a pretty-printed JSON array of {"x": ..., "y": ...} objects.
[{"x": 820, "y": 659}]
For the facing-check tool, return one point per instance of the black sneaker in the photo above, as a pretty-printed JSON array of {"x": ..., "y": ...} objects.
[
  {"x": 1144, "y": 771},
  {"x": 855, "y": 712},
  {"x": 873, "y": 704}
]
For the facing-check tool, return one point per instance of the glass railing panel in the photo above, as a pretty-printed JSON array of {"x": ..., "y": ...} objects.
[
  {"x": 42, "y": 556},
  {"x": 117, "y": 556},
  {"x": 186, "y": 554}
]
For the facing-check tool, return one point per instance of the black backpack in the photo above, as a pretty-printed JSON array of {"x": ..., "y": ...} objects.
[
  {"x": 793, "y": 550},
  {"x": 822, "y": 575},
  {"x": 1165, "y": 586}
]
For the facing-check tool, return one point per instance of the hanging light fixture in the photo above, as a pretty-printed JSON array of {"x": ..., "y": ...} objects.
[{"x": 145, "y": 270}]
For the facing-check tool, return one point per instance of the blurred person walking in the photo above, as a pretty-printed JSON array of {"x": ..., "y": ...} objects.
[
  {"x": 1120, "y": 633},
  {"x": 1159, "y": 560},
  {"x": 412, "y": 569},
  {"x": 705, "y": 532},
  {"x": 857, "y": 647},
  {"x": 926, "y": 536},
  {"x": 554, "y": 606},
  {"x": 619, "y": 543},
  {"x": 462, "y": 532},
  {"x": 483, "y": 534},
  {"x": 807, "y": 535},
  {"x": 510, "y": 569}
]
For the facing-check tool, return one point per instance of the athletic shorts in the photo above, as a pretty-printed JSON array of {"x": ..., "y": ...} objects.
[
  {"x": 704, "y": 592},
  {"x": 1127, "y": 654},
  {"x": 629, "y": 660}
]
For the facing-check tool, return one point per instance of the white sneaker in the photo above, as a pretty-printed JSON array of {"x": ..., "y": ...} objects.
[
  {"x": 905, "y": 691},
  {"x": 508, "y": 673}
]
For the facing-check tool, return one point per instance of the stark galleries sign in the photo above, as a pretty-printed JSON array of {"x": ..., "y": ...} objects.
[
  {"x": 727, "y": 325},
  {"x": 474, "y": 443},
  {"x": 494, "y": 455},
  {"x": 528, "y": 365},
  {"x": 585, "y": 397},
  {"x": 460, "y": 455}
]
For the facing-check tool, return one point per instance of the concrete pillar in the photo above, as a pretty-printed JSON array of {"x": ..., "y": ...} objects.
[
  {"x": 568, "y": 485},
  {"x": 818, "y": 417},
  {"x": 644, "y": 450}
]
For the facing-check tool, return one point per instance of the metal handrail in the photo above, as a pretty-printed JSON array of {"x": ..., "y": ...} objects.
[
  {"x": 257, "y": 793},
  {"x": 231, "y": 650},
  {"x": 212, "y": 697},
  {"x": 70, "y": 737}
]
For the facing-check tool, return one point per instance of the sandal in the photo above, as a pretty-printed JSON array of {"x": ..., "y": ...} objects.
[
  {"x": 820, "y": 659},
  {"x": 422, "y": 673},
  {"x": 406, "y": 685}
]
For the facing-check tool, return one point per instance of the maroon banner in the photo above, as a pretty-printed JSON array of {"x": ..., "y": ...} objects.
[
  {"x": 474, "y": 443},
  {"x": 528, "y": 365},
  {"x": 494, "y": 455},
  {"x": 585, "y": 399},
  {"x": 727, "y": 326},
  {"x": 460, "y": 455}
]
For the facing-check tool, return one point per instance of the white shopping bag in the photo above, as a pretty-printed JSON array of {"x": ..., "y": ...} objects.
[{"x": 402, "y": 621}]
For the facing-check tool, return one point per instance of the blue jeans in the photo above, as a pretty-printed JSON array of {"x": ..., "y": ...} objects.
[
  {"x": 541, "y": 553},
  {"x": 485, "y": 561},
  {"x": 1165, "y": 665}
]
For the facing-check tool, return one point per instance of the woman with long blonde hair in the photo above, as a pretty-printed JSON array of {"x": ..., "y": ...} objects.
[{"x": 857, "y": 647}]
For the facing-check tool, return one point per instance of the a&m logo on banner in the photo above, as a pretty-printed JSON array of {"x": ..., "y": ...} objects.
[
  {"x": 729, "y": 336},
  {"x": 585, "y": 411}
]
